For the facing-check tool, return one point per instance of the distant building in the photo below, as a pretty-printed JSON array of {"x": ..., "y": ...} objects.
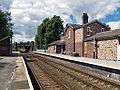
[
  {"x": 28, "y": 46},
  {"x": 32, "y": 46},
  {"x": 5, "y": 46}
]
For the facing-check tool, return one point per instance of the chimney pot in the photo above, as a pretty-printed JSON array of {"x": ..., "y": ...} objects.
[{"x": 85, "y": 18}]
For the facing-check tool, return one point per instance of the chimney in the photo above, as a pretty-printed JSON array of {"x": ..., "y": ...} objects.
[{"x": 85, "y": 18}]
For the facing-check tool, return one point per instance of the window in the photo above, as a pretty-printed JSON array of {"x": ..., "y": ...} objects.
[
  {"x": 89, "y": 31},
  {"x": 69, "y": 34},
  {"x": 54, "y": 47},
  {"x": 102, "y": 30}
]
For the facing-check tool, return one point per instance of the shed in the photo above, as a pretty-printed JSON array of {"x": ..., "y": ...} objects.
[
  {"x": 56, "y": 47},
  {"x": 5, "y": 46}
]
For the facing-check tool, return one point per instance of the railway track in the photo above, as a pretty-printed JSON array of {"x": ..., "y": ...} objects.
[
  {"x": 44, "y": 81},
  {"x": 54, "y": 74}
]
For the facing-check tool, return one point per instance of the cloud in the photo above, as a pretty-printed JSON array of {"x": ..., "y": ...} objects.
[
  {"x": 5, "y": 4},
  {"x": 17, "y": 37},
  {"x": 114, "y": 25},
  {"x": 30, "y": 13}
]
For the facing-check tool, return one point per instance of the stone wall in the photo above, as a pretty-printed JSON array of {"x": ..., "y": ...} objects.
[{"x": 107, "y": 49}]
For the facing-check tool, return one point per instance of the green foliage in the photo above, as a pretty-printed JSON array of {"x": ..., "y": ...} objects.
[
  {"x": 21, "y": 50},
  {"x": 5, "y": 24},
  {"x": 107, "y": 26},
  {"x": 48, "y": 31},
  {"x": 74, "y": 54}
]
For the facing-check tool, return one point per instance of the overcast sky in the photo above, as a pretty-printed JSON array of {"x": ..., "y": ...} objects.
[{"x": 28, "y": 14}]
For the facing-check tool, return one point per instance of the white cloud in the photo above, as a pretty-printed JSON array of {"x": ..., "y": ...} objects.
[
  {"x": 30, "y": 13},
  {"x": 114, "y": 25},
  {"x": 17, "y": 37},
  {"x": 5, "y": 4},
  {"x": 26, "y": 19}
]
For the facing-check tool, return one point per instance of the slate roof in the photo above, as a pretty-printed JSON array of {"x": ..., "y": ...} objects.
[
  {"x": 113, "y": 34},
  {"x": 94, "y": 21},
  {"x": 58, "y": 42},
  {"x": 74, "y": 26},
  {"x": 4, "y": 38},
  {"x": 77, "y": 26}
]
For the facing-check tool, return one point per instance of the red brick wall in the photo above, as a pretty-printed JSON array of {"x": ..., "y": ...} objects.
[
  {"x": 79, "y": 41},
  {"x": 88, "y": 47},
  {"x": 52, "y": 49},
  {"x": 69, "y": 41},
  {"x": 95, "y": 28}
]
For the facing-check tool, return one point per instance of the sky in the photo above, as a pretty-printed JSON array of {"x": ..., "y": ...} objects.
[{"x": 28, "y": 14}]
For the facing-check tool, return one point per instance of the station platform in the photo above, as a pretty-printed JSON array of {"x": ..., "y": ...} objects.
[
  {"x": 113, "y": 65},
  {"x": 14, "y": 74}
]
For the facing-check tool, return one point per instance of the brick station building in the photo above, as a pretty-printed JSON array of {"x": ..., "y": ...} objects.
[
  {"x": 91, "y": 39},
  {"x": 75, "y": 35}
]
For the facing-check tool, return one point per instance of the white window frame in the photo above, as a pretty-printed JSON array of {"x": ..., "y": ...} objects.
[
  {"x": 69, "y": 34},
  {"x": 102, "y": 30},
  {"x": 88, "y": 31},
  {"x": 54, "y": 47}
]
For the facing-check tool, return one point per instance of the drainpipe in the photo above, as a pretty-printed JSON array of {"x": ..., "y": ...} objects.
[
  {"x": 83, "y": 44},
  {"x": 74, "y": 40},
  {"x": 95, "y": 48}
]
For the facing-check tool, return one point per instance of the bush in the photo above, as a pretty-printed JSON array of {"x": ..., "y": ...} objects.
[
  {"x": 74, "y": 54},
  {"x": 21, "y": 50}
]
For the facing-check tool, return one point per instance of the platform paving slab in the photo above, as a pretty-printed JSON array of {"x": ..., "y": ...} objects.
[
  {"x": 13, "y": 74},
  {"x": 102, "y": 63}
]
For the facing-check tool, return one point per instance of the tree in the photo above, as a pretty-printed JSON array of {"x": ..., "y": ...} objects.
[
  {"x": 107, "y": 26},
  {"x": 41, "y": 30},
  {"x": 48, "y": 31},
  {"x": 5, "y": 24}
]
